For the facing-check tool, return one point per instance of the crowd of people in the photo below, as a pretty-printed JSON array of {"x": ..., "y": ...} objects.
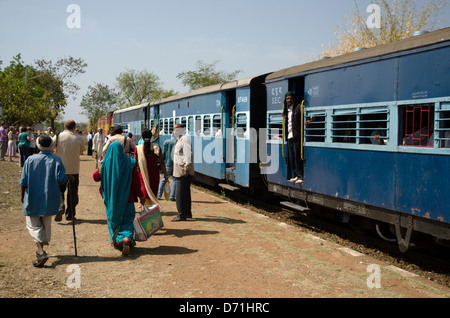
[{"x": 128, "y": 173}]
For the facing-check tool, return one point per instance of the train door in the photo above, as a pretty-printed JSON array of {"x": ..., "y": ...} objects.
[
  {"x": 229, "y": 122},
  {"x": 297, "y": 85}
]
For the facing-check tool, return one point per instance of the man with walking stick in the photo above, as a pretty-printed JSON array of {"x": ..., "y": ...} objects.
[{"x": 69, "y": 146}]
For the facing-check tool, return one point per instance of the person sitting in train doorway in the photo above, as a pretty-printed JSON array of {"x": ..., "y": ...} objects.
[{"x": 292, "y": 119}]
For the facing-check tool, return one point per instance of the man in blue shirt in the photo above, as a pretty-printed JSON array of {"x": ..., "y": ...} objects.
[
  {"x": 42, "y": 175},
  {"x": 168, "y": 147}
]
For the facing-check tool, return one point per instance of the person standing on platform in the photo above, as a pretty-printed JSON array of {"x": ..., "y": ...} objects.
[
  {"x": 120, "y": 188},
  {"x": 168, "y": 148},
  {"x": 42, "y": 176},
  {"x": 98, "y": 142},
  {"x": 183, "y": 170},
  {"x": 89, "y": 140},
  {"x": 3, "y": 141},
  {"x": 69, "y": 146}
]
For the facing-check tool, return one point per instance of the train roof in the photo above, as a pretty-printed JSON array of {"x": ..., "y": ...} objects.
[
  {"x": 414, "y": 42},
  {"x": 209, "y": 89},
  {"x": 131, "y": 108}
]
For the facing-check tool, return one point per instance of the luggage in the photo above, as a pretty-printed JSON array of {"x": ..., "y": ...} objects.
[
  {"x": 147, "y": 223},
  {"x": 167, "y": 190}
]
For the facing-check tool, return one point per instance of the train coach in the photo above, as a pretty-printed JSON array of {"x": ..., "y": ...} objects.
[
  {"x": 219, "y": 120},
  {"x": 399, "y": 92}
]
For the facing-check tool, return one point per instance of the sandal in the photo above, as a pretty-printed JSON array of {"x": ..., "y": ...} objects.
[
  {"x": 40, "y": 259},
  {"x": 126, "y": 247}
]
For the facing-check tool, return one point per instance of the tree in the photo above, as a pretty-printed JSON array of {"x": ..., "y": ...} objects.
[
  {"x": 399, "y": 19},
  {"x": 98, "y": 101},
  {"x": 23, "y": 102},
  {"x": 58, "y": 81},
  {"x": 137, "y": 87},
  {"x": 206, "y": 75}
]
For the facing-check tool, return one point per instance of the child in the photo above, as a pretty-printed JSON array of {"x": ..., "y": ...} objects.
[{"x": 41, "y": 176}]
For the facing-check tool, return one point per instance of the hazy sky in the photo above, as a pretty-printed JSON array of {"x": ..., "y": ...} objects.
[{"x": 168, "y": 37}]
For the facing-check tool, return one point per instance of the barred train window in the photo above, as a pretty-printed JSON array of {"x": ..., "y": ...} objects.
[
  {"x": 315, "y": 128},
  {"x": 190, "y": 129},
  {"x": 417, "y": 125},
  {"x": 241, "y": 125},
  {"x": 344, "y": 127},
  {"x": 274, "y": 125},
  {"x": 443, "y": 129},
  {"x": 358, "y": 126},
  {"x": 207, "y": 125},
  {"x": 216, "y": 124}
]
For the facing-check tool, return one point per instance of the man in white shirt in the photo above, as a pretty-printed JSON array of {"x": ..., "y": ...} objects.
[
  {"x": 98, "y": 142},
  {"x": 69, "y": 146},
  {"x": 183, "y": 171}
]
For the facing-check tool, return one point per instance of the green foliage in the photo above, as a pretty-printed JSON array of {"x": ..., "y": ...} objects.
[
  {"x": 35, "y": 94},
  {"x": 137, "y": 87},
  {"x": 98, "y": 101},
  {"x": 206, "y": 75}
]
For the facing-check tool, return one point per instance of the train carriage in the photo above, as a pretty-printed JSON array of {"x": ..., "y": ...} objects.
[
  {"x": 399, "y": 92},
  {"x": 218, "y": 120}
]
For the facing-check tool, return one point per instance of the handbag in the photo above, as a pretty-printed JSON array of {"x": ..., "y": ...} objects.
[
  {"x": 147, "y": 223},
  {"x": 167, "y": 190}
]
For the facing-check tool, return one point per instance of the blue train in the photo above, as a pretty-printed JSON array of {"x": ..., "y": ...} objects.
[{"x": 399, "y": 92}]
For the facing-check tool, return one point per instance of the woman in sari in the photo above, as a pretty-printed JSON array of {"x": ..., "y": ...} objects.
[
  {"x": 148, "y": 156},
  {"x": 120, "y": 188}
]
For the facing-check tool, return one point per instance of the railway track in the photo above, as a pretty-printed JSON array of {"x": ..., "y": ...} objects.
[{"x": 424, "y": 258}]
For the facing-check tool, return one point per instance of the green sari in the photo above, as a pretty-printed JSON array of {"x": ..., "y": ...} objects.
[{"x": 116, "y": 180}]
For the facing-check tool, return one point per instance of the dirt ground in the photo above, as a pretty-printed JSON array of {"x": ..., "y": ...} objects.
[{"x": 226, "y": 251}]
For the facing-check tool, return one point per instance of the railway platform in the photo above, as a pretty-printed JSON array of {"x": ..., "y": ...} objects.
[{"x": 225, "y": 251}]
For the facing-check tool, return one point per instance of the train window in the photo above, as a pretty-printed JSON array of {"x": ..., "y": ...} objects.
[
  {"x": 177, "y": 121},
  {"x": 166, "y": 126},
  {"x": 443, "y": 129},
  {"x": 161, "y": 127},
  {"x": 344, "y": 127},
  {"x": 416, "y": 126},
  {"x": 241, "y": 125},
  {"x": 183, "y": 122},
  {"x": 274, "y": 127},
  {"x": 373, "y": 126},
  {"x": 170, "y": 127},
  {"x": 315, "y": 127},
  {"x": 216, "y": 125},
  {"x": 207, "y": 125},
  {"x": 198, "y": 125},
  {"x": 190, "y": 127}
]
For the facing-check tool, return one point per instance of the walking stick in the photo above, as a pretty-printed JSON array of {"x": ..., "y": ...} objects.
[{"x": 69, "y": 193}]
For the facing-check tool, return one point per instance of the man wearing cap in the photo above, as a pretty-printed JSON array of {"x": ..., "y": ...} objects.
[
  {"x": 42, "y": 176},
  {"x": 292, "y": 115},
  {"x": 183, "y": 170}
]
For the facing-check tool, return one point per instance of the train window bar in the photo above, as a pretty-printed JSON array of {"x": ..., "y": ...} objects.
[{"x": 417, "y": 125}]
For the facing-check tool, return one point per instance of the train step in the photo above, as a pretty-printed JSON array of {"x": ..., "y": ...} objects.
[
  {"x": 294, "y": 206},
  {"x": 228, "y": 187}
]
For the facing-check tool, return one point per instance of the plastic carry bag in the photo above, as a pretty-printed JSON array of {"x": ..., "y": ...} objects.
[
  {"x": 167, "y": 191},
  {"x": 147, "y": 223}
]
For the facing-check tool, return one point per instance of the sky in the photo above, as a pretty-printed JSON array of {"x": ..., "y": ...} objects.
[{"x": 169, "y": 37}]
